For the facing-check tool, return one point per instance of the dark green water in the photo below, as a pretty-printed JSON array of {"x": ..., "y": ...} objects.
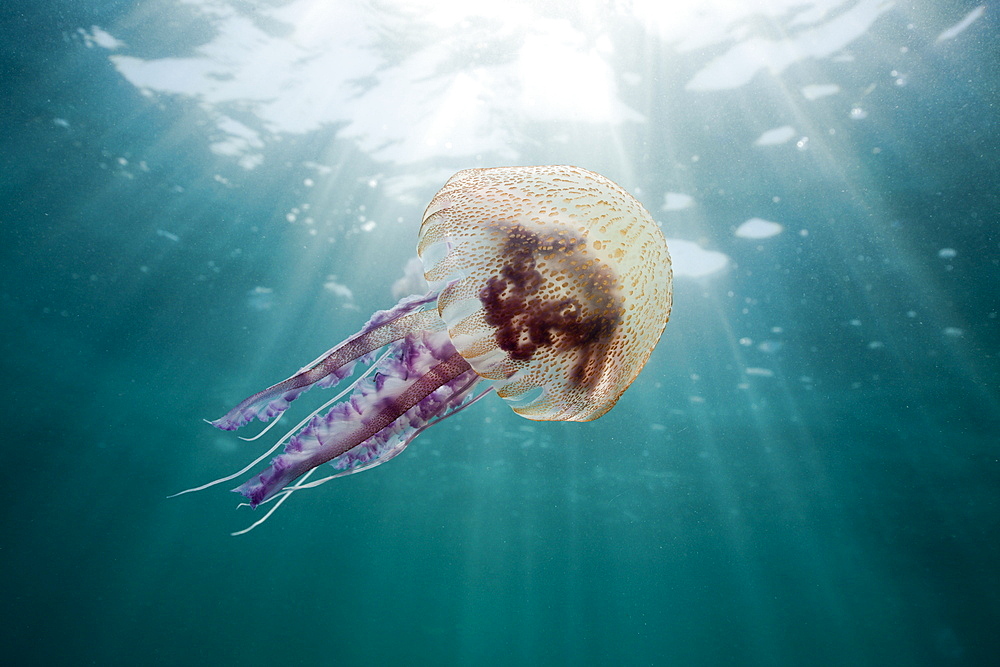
[{"x": 806, "y": 473}]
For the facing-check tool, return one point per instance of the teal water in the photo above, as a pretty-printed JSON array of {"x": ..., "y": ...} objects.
[{"x": 199, "y": 198}]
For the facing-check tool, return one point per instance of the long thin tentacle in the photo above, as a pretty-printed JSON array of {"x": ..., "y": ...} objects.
[{"x": 271, "y": 511}]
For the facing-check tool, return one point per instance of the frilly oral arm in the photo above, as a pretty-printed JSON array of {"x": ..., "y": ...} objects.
[
  {"x": 384, "y": 327},
  {"x": 346, "y": 426}
]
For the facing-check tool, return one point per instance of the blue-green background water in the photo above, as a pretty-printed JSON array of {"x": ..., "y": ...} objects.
[{"x": 806, "y": 473}]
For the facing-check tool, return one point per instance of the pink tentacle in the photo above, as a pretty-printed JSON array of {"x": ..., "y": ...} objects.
[
  {"x": 350, "y": 424},
  {"x": 337, "y": 363}
]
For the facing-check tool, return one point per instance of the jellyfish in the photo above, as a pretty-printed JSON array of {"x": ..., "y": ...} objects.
[{"x": 550, "y": 286}]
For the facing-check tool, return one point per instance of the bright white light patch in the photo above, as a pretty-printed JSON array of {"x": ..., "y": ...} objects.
[
  {"x": 959, "y": 27},
  {"x": 758, "y": 228},
  {"x": 818, "y": 90},
  {"x": 675, "y": 201},
  {"x": 741, "y": 63},
  {"x": 325, "y": 68},
  {"x": 342, "y": 291},
  {"x": 775, "y": 137},
  {"x": 561, "y": 80},
  {"x": 693, "y": 261},
  {"x": 97, "y": 37}
]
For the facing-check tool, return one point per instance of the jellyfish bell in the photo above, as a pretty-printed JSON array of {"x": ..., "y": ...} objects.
[
  {"x": 550, "y": 286},
  {"x": 555, "y": 283}
]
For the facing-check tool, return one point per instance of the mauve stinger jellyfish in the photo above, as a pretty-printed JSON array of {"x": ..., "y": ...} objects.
[{"x": 549, "y": 285}]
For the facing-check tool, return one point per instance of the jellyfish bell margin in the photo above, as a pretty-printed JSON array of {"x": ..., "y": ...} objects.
[{"x": 550, "y": 287}]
